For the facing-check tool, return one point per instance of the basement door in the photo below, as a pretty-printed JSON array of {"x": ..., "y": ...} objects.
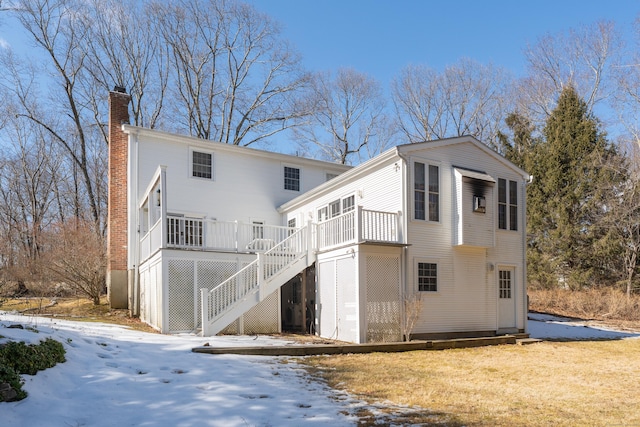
[{"x": 506, "y": 298}]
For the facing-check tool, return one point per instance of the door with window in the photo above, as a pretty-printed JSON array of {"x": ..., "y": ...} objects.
[{"x": 506, "y": 298}]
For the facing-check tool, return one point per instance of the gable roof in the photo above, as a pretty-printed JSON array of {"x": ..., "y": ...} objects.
[
  {"x": 207, "y": 144},
  {"x": 399, "y": 152},
  {"x": 405, "y": 149}
]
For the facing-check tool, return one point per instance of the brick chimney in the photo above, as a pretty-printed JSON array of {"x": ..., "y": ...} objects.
[{"x": 117, "y": 256}]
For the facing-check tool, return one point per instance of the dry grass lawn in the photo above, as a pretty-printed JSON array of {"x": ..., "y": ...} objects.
[
  {"x": 594, "y": 383},
  {"x": 81, "y": 309}
]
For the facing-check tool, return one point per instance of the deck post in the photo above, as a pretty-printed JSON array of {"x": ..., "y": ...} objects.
[
  {"x": 260, "y": 274},
  {"x": 310, "y": 243},
  {"x": 204, "y": 311},
  {"x": 359, "y": 225},
  {"x": 163, "y": 206}
]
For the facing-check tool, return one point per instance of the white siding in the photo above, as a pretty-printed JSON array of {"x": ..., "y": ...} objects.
[
  {"x": 466, "y": 299},
  {"x": 378, "y": 190},
  {"x": 245, "y": 186}
]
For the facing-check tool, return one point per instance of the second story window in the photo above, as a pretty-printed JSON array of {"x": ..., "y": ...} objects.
[
  {"x": 202, "y": 165},
  {"x": 348, "y": 204},
  {"x": 426, "y": 191},
  {"x": 507, "y": 204},
  {"x": 291, "y": 178}
]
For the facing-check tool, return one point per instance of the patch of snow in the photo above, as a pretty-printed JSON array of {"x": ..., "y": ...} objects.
[
  {"x": 546, "y": 326},
  {"x": 117, "y": 376}
]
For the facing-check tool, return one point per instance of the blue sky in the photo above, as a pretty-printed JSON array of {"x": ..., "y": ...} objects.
[{"x": 380, "y": 37}]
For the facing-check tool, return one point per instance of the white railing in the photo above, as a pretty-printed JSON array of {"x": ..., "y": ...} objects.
[
  {"x": 358, "y": 226},
  {"x": 376, "y": 226},
  {"x": 252, "y": 279},
  {"x": 151, "y": 242},
  {"x": 206, "y": 234}
]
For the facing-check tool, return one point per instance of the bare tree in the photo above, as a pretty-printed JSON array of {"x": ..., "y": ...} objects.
[
  {"x": 467, "y": 98},
  {"x": 77, "y": 257},
  {"x": 53, "y": 28},
  {"x": 627, "y": 99},
  {"x": 27, "y": 187},
  {"x": 121, "y": 48},
  {"x": 619, "y": 221},
  {"x": 348, "y": 116},
  {"x": 233, "y": 79},
  {"x": 582, "y": 57}
]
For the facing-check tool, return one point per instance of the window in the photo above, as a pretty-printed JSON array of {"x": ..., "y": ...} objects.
[
  {"x": 434, "y": 193},
  {"x": 427, "y": 277},
  {"x": 504, "y": 284},
  {"x": 291, "y": 178},
  {"x": 323, "y": 214},
  {"x": 507, "y": 204},
  {"x": 348, "y": 204},
  {"x": 330, "y": 176},
  {"x": 426, "y": 185},
  {"x": 201, "y": 166},
  {"x": 257, "y": 229},
  {"x": 291, "y": 223},
  {"x": 334, "y": 208}
]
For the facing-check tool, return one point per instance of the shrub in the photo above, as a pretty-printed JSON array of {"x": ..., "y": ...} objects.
[{"x": 19, "y": 358}]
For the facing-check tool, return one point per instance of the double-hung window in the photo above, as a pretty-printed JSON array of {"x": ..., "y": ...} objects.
[
  {"x": 348, "y": 204},
  {"x": 426, "y": 191},
  {"x": 507, "y": 204},
  {"x": 291, "y": 178},
  {"x": 427, "y": 277},
  {"x": 201, "y": 165}
]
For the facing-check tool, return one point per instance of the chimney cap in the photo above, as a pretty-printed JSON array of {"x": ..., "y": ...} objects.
[{"x": 120, "y": 89}]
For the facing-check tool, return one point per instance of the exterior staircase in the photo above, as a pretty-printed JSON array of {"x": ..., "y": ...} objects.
[{"x": 235, "y": 296}]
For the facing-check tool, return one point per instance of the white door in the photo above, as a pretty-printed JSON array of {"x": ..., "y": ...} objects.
[
  {"x": 326, "y": 313},
  {"x": 506, "y": 298}
]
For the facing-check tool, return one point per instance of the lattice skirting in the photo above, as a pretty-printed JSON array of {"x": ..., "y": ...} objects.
[
  {"x": 383, "y": 299},
  {"x": 185, "y": 279}
]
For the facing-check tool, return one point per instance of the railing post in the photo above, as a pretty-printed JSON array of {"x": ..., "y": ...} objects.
[
  {"x": 163, "y": 206},
  {"x": 398, "y": 226},
  {"x": 310, "y": 243},
  {"x": 260, "y": 273},
  {"x": 359, "y": 224},
  {"x": 204, "y": 311}
]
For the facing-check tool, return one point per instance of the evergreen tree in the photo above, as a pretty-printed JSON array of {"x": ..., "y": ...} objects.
[{"x": 566, "y": 199}]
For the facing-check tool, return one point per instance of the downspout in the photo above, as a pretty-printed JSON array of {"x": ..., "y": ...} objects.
[
  {"x": 524, "y": 252},
  {"x": 133, "y": 180}
]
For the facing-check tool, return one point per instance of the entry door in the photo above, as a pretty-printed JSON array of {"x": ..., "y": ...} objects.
[{"x": 506, "y": 298}]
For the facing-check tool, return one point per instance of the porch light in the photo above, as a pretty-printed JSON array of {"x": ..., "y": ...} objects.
[{"x": 158, "y": 197}]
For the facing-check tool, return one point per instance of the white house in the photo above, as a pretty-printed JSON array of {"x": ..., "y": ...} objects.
[{"x": 215, "y": 238}]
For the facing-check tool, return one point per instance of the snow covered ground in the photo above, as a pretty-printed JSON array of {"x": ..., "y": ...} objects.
[{"x": 115, "y": 376}]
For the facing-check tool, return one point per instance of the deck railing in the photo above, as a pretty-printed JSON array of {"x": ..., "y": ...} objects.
[
  {"x": 357, "y": 226},
  {"x": 253, "y": 278},
  {"x": 211, "y": 235}
]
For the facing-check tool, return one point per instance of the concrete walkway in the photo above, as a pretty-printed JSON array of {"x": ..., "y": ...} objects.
[{"x": 317, "y": 349}]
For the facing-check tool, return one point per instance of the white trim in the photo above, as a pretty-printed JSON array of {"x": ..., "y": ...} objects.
[
  {"x": 412, "y": 196},
  {"x": 190, "y": 165},
  {"x": 416, "y": 285},
  {"x": 300, "y": 189}
]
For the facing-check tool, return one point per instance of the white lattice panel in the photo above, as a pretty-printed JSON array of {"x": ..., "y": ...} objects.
[
  {"x": 263, "y": 318},
  {"x": 181, "y": 295},
  {"x": 211, "y": 274},
  {"x": 383, "y": 299}
]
